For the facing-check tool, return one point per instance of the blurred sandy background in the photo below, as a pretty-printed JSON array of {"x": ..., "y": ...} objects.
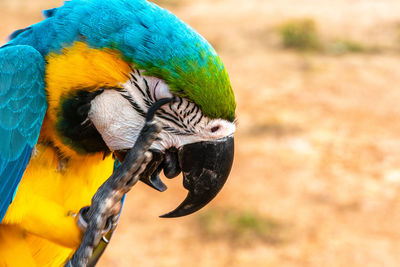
[{"x": 316, "y": 178}]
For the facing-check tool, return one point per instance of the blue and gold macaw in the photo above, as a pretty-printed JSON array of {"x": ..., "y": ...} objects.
[{"x": 74, "y": 92}]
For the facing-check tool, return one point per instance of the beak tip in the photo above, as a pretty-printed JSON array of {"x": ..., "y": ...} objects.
[
  {"x": 171, "y": 214},
  {"x": 175, "y": 214},
  {"x": 166, "y": 216}
]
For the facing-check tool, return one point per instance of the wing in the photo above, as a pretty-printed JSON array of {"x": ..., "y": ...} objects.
[{"x": 22, "y": 109}]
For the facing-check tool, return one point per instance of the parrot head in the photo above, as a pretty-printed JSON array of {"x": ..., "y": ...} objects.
[
  {"x": 104, "y": 73},
  {"x": 191, "y": 143}
]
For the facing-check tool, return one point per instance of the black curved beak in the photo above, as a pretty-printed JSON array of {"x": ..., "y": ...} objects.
[{"x": 205, "y": 167}]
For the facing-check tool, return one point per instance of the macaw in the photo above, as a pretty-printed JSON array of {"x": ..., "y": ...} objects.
[{"x": 74, "y": 92}]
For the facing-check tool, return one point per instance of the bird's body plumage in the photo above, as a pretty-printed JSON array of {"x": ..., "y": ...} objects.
[
  {"x": 39, "y": 219},
  {"x": 50, "y": 74}
]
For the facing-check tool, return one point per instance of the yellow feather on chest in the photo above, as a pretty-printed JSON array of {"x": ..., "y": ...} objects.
[
  {"x": 50, "y": 182},
  {"x": 71, "y": 183}
]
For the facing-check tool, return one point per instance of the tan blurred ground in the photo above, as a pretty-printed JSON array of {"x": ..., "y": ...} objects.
[{"x": 317, "y": 141}]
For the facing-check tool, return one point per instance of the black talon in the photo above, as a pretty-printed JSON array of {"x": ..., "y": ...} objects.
[
  {"x": 82, "y": 218},
  {"x": 151, "y": 175}
]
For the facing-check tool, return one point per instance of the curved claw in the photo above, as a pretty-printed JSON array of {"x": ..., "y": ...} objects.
[
  {"x": 205, "y": 167},
  {"x": 151, "y": 176}
]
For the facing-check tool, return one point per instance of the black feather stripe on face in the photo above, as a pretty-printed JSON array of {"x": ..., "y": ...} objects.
[
  {"x": 74, "y": 126},
  {"x": 179, "y": 116}
]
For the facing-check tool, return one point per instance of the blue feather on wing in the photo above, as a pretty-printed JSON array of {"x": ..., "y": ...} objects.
[{"x": 22, "y": 109}]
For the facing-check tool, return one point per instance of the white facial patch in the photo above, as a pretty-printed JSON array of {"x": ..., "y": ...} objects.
[
  {"x": 119, "y": 116},
  {"x": 115, "y": 119}
]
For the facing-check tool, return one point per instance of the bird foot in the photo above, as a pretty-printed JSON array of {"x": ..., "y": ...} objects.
[
  {"x": 82, "y": 221},
  {"x": 106, "y": 202}
]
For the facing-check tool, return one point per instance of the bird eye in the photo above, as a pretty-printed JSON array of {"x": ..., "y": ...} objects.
[{"x": 214, "y": 129}]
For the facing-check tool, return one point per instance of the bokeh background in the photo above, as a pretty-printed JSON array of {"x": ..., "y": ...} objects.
[{"x": 316, "y": 177}]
